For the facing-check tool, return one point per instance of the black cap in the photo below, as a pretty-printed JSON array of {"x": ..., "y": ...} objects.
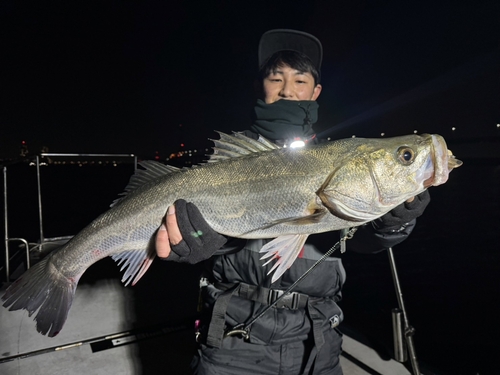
[{"x": 276, "y": 40}]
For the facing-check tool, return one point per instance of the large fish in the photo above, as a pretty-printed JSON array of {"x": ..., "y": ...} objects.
[{"x": 249, "y": 189}]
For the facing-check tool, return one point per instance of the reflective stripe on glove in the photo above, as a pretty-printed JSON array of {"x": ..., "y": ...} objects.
[{"x": 199, "y": 241}]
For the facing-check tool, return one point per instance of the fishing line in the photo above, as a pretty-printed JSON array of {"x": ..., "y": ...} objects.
[{"x": 243, "y": 329}]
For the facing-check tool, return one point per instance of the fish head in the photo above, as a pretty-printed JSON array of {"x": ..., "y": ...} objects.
[{"x": 379, "y": 174}]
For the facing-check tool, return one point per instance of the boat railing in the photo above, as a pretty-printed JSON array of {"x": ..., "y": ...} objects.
[{"x": 43, "y": 241}]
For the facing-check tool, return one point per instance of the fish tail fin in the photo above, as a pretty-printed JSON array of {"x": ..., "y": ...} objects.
[
  {"x": 285, "y": 249},
  {"x": 42, "y": 289}
]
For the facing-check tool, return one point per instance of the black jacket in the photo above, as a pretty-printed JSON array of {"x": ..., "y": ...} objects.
[{"x": 239, "y": 287}]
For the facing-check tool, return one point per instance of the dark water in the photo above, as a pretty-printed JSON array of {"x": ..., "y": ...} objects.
[
  {"x": 449, "y": 268},
  {"x": 450, "y": 274}
]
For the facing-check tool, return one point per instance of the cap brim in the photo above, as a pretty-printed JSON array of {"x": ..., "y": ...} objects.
[{"x": 284, "y": 39}]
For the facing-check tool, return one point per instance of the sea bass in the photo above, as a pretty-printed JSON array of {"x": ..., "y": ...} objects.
[{"x": 248, "y": 189}]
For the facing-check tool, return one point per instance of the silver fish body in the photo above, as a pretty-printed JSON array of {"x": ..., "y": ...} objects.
[{"x": 250, "y": 189}]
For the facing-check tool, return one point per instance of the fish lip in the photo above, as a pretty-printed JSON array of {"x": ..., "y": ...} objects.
[
  {"x": 443, "y": 161},
  {"x": 430, "y": 160},
  {"x": 439, "y": 152}
]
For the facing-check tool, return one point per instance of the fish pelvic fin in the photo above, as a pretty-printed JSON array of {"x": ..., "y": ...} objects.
[
  {"x": 136, "y": 262},
  {"x": 285, "y": 249},
  {"x": 42, "y": 288}
]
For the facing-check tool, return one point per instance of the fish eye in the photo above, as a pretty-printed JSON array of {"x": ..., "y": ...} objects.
[{"x": 406, "y": 155}]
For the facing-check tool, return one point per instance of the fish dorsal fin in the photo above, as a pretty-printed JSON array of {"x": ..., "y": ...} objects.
[
  {"x": 227, "y": 147},
  {"x": 237, "y": 145},
  {"x": 151, "y": 170}
]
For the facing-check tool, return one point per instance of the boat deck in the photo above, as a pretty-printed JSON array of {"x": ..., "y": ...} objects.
[{"x": 101, "y": 337}]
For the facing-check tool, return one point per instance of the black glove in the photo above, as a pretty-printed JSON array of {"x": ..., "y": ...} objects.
[
  {"x": 396, "y": 219},
  {"x": 391, "y": 229},
  {"x": 199, "y": 241}
]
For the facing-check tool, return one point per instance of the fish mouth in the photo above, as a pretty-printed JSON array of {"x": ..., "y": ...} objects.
[{"x": 443, "y": 161}]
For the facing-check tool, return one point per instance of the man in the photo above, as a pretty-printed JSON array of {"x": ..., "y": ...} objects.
[{"x": 299, "y": 335}]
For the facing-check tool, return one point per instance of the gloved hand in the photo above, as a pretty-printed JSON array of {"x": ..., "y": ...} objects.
[
  {"x": 395, "y": 220},
  {"x": 199, "y": 241}
]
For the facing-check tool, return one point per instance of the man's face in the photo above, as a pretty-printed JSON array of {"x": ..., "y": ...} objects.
[{"x": 289, "y": 84}]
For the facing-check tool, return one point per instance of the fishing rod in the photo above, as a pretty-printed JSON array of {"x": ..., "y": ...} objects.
[{"x": 402, "y": 330}]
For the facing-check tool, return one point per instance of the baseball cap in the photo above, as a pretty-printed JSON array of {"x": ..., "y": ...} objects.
[{"x": 276, "y": 40}]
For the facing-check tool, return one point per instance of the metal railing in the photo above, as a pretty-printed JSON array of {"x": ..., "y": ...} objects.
[
  {"x": 43, "y": 240},
  {"x": 6, "y": 231}
]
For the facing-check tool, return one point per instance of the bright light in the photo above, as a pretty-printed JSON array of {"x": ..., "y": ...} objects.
[{"x": 297, "y": 144}]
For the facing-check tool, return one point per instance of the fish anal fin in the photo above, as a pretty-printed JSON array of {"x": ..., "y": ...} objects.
[
  {"x": 136, "y": 262},
  {"x": 145, "y": 266},
  {"x": 285, "y": 249}
]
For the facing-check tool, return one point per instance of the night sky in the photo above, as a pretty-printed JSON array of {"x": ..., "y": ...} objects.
[
  {"x": 115, "y": 76},
  {"x": 144, "y": 76}
]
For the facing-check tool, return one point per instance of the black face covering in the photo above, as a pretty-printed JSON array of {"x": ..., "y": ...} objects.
[{"x": 285, "y": 119}]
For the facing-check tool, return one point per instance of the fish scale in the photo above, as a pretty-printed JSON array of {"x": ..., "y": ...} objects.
[{"x": 249, "y": 189}]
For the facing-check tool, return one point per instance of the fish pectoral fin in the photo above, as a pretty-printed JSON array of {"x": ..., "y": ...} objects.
[
  {"x": 285, "y": 249},
  {"x": 137, "y": 262},
  {"x": 297, "y": 220},
  {"x": 313, "y": 218}
]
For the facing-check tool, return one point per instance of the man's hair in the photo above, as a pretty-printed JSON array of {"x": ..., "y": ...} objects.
[{"x": 293, "y": 59}]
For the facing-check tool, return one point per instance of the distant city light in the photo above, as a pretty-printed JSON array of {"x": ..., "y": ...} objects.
[
  {"x": 382, "y": 134},
  {"x": 415, "y": 132}
]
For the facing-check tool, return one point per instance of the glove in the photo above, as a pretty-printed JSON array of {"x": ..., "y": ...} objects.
[
  {"x": 199, "y": 241},
  {"x": 397, "y": 219}
]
